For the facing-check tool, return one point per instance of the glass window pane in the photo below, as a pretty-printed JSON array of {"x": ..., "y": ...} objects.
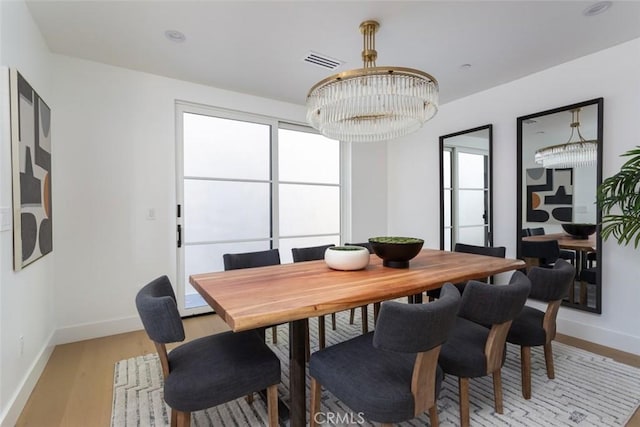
[
  {"x": 447, "y": 208},
  {"x": 309, "y": 209},
  {"x": 308, "y": 157},
  {"x": 471, "y": 172},
  {"x": 208, "y": 258},
  {"x": 471, "y": 207},
  {"x": 472, "y": 235},
  {"x": 223, "y": 148},
  {"x": 222, "y": 210},
  {"x": 446, "y": 168},
  {"x": 285, "y": 245},
  {"x": 447, "y": 239}
]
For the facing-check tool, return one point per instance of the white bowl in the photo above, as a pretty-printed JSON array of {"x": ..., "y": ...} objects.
[{"x": 347, "y": 257}]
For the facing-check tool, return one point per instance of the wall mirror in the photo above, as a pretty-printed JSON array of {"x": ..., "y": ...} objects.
[
  {"x": 465, "y": 188},
  {"x": 553, "y": 198}
]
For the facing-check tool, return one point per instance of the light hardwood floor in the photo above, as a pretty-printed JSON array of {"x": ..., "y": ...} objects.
[{"x": 75, "y": 388}]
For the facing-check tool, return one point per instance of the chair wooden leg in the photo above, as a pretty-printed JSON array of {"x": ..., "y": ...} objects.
[
  {"x": 272, "y": 405},
  {"x": 365, "y": 319},
  {"x": 572, "y": 292},
  {"x": 463, "y": 385},
  {"x": 333, "y": 321},
  {"x": 583, "y": 292},
  {"x": 548, "y": 360},
  {"x": 433, "y": 416},
  {"x": 183, "y": 419},
  {"x": 274, "y": 334},
  {"x": 497, "y": 391},
  {"x": 249, "y": 398},
  {"x": 525, "y": 370},
  {"x": 307, "y": 341},
  {"x": 376, "y": 311},
  {"x": 321, "y": 332},
  {"x": 174, "y": 418},
  {"x": 314, "y": 406},
  {"x": 352, "y": 315}
]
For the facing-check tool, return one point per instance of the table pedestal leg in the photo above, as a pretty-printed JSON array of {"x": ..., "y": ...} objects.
[{"x": 297, "y": 387}]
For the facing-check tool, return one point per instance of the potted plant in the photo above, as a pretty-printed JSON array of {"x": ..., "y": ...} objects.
[{"x": 621, "y": 193}]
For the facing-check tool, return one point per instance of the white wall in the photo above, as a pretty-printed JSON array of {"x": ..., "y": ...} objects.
[
  {"x": 115, "y": 141},
  {"x": 613, "y": 74},
  {"x": 26, "y": 297},
  {"x": 369, "y": 195}
]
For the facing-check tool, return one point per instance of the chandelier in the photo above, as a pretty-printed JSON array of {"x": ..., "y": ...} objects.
[
  {"x": 570, "y": 154},
  {"x": 372, "y": 103}
]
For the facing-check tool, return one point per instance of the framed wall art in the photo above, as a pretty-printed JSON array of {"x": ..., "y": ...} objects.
[
  {"x": 31, "y": 172},
  {"x": 549, "y": 195}
]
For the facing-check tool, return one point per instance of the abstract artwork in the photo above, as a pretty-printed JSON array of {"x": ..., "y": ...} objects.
[
  {"x": 549, "y": 195},
  {"x": 31, "y": 166}
]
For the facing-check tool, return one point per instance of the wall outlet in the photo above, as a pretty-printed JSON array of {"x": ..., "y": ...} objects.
[
  {"x": 21, "y": 345},
  {"x": 151, "y": 214}
]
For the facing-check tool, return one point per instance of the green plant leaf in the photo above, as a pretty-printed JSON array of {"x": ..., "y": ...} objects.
[{"x": 622, "y": 191}]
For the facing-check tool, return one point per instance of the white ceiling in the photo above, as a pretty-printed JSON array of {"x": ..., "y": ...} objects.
[{"x": 257, "y": 47}]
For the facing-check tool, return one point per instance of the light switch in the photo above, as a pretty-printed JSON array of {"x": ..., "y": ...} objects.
[
  {"x": 151, "y": 214},
  {"x": 5, "y": 219}
]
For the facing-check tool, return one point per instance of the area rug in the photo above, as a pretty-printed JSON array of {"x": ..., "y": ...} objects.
[{"x": 589, "y": 390}]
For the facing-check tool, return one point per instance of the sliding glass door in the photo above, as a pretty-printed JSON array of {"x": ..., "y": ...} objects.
[{"x": 247, "y": 184}]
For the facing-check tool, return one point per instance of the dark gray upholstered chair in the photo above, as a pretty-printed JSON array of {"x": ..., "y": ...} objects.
[
  {"x": 314, "y": 253},
  {"x": 474, "y": 350},
  {"x": 540, "y": 254},
  {"x": 363, "y": 244},
  {"x": 566, "y": 254},
  {"x": 536, "y": 231},
  {"x": 533, "y": 327},
  {"x": 253, "y": 260},
  {"x": 310, "y": 253},
  {"x": 392, "y": 374},
  {"x": 207, "y": 371},
  {"x": 494, "y": 251}
]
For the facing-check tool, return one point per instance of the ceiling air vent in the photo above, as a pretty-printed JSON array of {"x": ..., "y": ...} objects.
[{"x": 322, "y": 61}]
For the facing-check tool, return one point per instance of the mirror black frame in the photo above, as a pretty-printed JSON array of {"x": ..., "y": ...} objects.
[
  {"x": 488, "y": 127},
  {"x": 520, "y": 201}
]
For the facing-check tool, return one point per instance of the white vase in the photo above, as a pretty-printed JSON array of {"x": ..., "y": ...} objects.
[{"x": 347, "y": 257}]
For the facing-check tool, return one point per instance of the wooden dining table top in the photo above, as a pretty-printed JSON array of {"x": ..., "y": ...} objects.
[
  {"x": 566, "y": 241},
  {"x": 258, "y": 297}
]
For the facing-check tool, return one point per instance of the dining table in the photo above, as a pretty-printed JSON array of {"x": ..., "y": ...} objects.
[
  {"x": 291, "y": 293},
  {"x": 566, "y": 241}
]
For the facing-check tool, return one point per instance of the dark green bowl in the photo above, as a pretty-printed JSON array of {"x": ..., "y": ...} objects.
[{"x": 396, "y": 252}]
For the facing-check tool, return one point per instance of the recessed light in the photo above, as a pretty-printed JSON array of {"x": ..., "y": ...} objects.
[
  {"x": 597, "y": 8},
  {"x": 175, "y": 36},
  {"x": 465, "y": 66}
]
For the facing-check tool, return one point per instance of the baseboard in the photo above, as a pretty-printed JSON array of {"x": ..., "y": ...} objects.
[
  {"x": 606, "y": 337},
  {"x": 594, "y": 334},
  {"x": 87, "y": 331},
  {"x": 17, "y": 402}
]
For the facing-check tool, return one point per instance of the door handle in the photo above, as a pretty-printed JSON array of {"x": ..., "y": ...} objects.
[{"x": 179, "y": 232}]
